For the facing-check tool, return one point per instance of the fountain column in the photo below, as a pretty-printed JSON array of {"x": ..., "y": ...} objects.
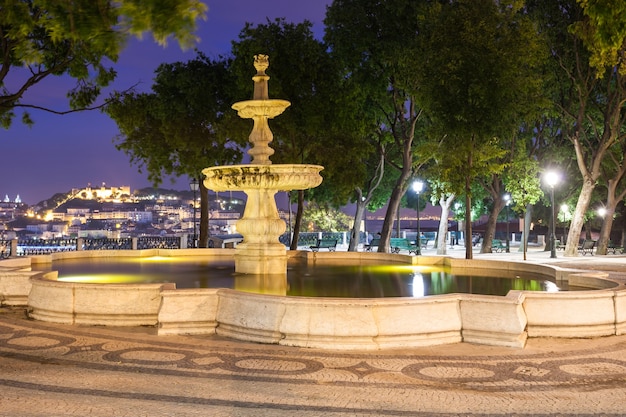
[{"x": 261, "y": 252}]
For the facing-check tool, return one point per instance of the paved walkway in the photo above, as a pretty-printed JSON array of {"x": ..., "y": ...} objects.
[{"x": 59, "y": 370}]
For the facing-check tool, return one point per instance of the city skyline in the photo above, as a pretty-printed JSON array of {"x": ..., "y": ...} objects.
[{"x": 61, "y": 152}]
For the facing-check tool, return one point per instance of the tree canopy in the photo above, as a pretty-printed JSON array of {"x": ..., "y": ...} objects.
[{"x": 42, "y": 38}]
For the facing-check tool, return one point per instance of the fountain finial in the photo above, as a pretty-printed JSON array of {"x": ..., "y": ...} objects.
[
  {"x": 261, "y": 62},
  {"x": 261, "y": 88}
]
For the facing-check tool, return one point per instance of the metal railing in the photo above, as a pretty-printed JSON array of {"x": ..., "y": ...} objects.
[
  {"x": 106, "y": 243},
  {"x": 27, "y": 247},
  {"x": 160, "y": 242}
]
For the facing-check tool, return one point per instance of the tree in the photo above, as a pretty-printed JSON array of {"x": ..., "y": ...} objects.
[
  {"x": 478, "y": 84},
  {"x": 584, "y": 40},
  {"x": 183, "y": 126},
  {"x": 54, "y": 38},
  {"x": 523, "y": 185},
  {"x": 363, "y": 193},
  {"x": 371, "y": 40},
  {"x": 615, "y": 193}
]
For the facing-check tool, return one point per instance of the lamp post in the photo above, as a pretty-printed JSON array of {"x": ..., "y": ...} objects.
[
  {"x": 507, "y": 198},
  {"x": 552, "y": 178},
  {"x": 364, "y": 219},
  {"x": 457, "y": 234},
  {"x": 194, "y": 185},
  {"x": 418, "y": 186}
]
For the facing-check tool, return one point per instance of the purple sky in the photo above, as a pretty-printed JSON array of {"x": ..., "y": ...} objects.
[{"x": 63, "y": 152}]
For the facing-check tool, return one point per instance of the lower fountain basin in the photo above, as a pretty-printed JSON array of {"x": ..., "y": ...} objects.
[{"x": 333, "y": 323}]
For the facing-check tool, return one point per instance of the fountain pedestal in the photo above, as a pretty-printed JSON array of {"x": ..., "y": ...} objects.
[{"x": 261, "y": 252}]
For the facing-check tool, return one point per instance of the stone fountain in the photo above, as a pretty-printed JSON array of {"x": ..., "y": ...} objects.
[
  {"x": 261, "y": 252},
  {"x": 334, "y": 323}
]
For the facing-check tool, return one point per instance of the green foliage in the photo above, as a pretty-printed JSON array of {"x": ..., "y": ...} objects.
[
  {"x": 373, "y": 42},
  {"x": 322, "y": 125},
  {"x": 185, "y": 124},
  {"x": 323, "y": 218},
  {"x": 603, "y": 30},
  {"x": 523, "y": 182},
  {"x": 53, "y": 38},
  {"x": 479, "y": 68}
]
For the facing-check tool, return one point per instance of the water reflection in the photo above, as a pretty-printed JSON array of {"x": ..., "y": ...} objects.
[
  {"x": 305, "y": 280},
  {"x": 418, "y": 285}
]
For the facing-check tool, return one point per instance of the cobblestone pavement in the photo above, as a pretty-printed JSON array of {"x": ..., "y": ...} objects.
[{"x": 59, "y": 370}]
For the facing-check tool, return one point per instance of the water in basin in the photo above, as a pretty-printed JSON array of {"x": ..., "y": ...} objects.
[{"x": 367, "y": 280}]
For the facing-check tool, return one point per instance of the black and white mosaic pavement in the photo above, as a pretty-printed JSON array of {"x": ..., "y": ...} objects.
[{"x": 58, "y": 370}]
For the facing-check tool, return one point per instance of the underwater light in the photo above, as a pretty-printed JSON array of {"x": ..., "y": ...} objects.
[
  {"x": 408, "y": 268},
  {"x": 551, "y": 287},
  {"x": 157, "y": 259},
  {"x": 418, "y": 285},
  {"x": 100, "y": 279}
]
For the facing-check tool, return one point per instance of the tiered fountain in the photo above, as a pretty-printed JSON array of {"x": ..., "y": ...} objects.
[
  {"x": 260, "y": 252},
  {"x": 337, "y": 323}
]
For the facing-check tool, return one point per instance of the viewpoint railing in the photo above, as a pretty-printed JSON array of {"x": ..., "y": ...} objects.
[{"x": 28, "y": 247}]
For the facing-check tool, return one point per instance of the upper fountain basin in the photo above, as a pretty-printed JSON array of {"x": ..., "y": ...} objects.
[
  {"x": 280, "y": 177},
  {"x": 253, "y": 108}
]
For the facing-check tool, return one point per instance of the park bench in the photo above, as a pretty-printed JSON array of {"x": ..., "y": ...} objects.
[
  {"x": 397, "y": 244},
  {"x": 614, "y": 248},
  {"x": 330, "y": 244},
  {"x": 497, "y": 246},
  {"x": 587, "y": 247},
  {"x": 558, "y": 245},
  {"x": 373, "y": 244}
]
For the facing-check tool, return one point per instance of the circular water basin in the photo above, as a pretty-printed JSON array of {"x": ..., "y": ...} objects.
[{"x": 366, "y": 280}]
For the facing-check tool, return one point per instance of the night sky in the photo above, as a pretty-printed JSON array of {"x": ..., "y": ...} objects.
[{"x": 70, "y": 151}]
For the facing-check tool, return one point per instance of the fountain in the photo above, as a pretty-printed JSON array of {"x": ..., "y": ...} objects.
[
  {"x": 261, "y": 253},
  {"x": 261, "y": 260}
]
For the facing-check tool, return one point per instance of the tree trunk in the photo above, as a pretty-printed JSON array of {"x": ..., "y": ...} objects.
[
  {"x": 605, "y": 231},
  {"x": 356, "y": 227},
  {"x": 612, "y": 200},
  {"x": 398, "y": 222},
  {"x": 527, "y": 219},
  {"x": 445, "y": 204},
  {"x": 392, "y": 209},
  {"x": 298, "y": 222},
  {"x": 492, "y": 222},
  {"x": 469, "y": 253},
  {"x": 204, "y": 216},
  {"x": 578, "y": 219},
  {"x": 469, "y": 250}
]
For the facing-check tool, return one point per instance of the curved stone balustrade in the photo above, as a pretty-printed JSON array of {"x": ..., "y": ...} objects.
[{"x": 329, "y": 322}]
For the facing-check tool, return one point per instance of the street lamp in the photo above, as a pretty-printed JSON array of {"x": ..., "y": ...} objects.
[
  {"x": 507, "y": 199},
  {"x": 457, "y": 234},
  {"x": 194, "y": 185},
  {"x": 552, "y": 178},
  {"x": 418, "y": 186}
]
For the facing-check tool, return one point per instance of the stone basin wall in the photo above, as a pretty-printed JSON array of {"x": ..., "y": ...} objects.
[{"x": 331, "y": 323}]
